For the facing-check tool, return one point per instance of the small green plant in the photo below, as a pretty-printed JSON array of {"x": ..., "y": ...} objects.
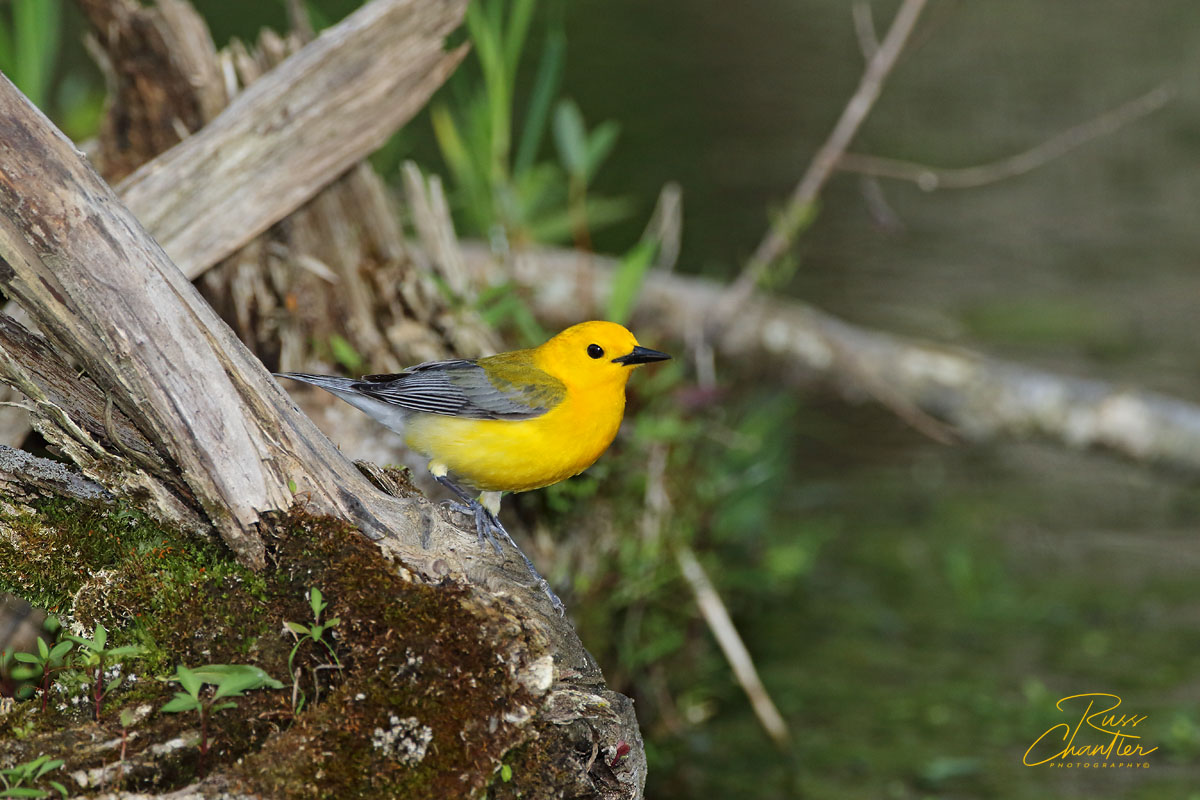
[
  {"x": 581, "y": 153},
  {"x": 127, "y": 719},
  {"x": 94, "y": 655},
  {"x": 499, "y": 184},
  {"x": 314, "y": 633},
  {"x": 227, "y": 680},
  {"x": 45, "y": 662},
  {"x": 14, "y": 780}
]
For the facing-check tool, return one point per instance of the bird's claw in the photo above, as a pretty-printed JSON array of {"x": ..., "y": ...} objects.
[
  {"x": 485, "y": 522},
  {"x": 487, "y": 526}
]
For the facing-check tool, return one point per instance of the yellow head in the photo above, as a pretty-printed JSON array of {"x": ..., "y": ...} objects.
[{"x": 594, "y": 354}]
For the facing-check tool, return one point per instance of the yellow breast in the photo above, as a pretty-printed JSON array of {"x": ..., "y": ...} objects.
[{"x": 519, "y": 455}]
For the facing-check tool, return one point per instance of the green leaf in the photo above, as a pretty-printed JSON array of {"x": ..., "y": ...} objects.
[
  {"x": 570, "y": 135},
  {"x": 114, "y": 683},
  {"x": 600, "y": 212},
  {"x": 237, "y": 676},
  {"x": 26, "y": 673},
  {"x": 125, "y": 651},
  {"x": 43, "y": 650},
  {"x": 37, "y": 34},
  {"x": 315, "y": 600},
  {"x": 47, "y": 766},
  {"x": 545, "y": 87},
  {"x": 519, "y": 16},
  {"x": 189, "y": 680},
  {"x": 61, "y": 649},
  {"x": 486, "y": 38},
  {"x": 454, "y": 149},
  {"x": 235, "y": 685},
  {"x": 101, "y": 637},
  {"x": 58, "y": 787},
  {"x": 7, "y": 52},
  {"x": 181, "y": 702},
  {"x": 599, "y": 145},
  {"x": 330, "y": 623},
  {"x": 222, "y": 706},
  {"x": 21, "y": 791},
  {"x": 296, "y": 627},
  {"x": 505, "y": 773},
  {"x": 345, "y": 354},
  {"x": 628, "y": 278},
  {"x": 27, "y": 658}
]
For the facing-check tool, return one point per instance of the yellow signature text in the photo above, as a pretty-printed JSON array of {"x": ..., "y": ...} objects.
[{"x": 1113, "y": 730}]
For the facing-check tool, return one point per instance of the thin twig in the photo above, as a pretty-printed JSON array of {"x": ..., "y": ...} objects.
[
  {"x": 787, "y": 224},
  {"x": 732, "y": 646},
  {"x": 864, "y": 29},
  {"x": 666, "y": 225},
  {"x": 931, "y": 178},
  {"x": 887, "y": 396}
]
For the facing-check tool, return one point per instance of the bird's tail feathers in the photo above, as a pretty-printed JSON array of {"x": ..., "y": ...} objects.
[
  {"x": 330, "y": 382},
  {"x": 388, "y": 414}
]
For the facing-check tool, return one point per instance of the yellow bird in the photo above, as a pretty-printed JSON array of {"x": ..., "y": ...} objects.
[{"x": 509, "y": 422}]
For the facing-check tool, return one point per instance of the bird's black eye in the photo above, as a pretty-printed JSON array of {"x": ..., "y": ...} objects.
[{"x": 595, "y": 351}]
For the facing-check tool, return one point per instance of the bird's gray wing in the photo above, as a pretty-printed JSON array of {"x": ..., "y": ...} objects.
[{"x": 462, "y": 388}]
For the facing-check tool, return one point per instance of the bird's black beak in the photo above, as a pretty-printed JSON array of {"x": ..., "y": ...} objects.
[{"x": 640, "y": 355}]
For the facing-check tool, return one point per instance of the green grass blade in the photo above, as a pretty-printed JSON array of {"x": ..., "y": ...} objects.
[
  {"x": 545, "y": 87},
  {"x": 486, "y": 39},
  {"x": 37, "y": 25},
  {"x": 7, "y": 54},
  {"x": 628, "y": 278},
  {"x": 514, "y": 38}
]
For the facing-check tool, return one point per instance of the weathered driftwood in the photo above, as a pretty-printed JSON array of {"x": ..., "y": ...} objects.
[
  {"x": 355, "y": 84},
  {"x": 225, "y": 443},
  {"x": 22, "y": 473}
]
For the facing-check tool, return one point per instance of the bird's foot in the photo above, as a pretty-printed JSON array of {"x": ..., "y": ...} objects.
[
  {"x": 485, "y": 522},
  {"x": 487, "y": 527}
]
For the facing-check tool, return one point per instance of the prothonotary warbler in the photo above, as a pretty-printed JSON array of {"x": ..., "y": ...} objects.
[{"x": 509, "y": 422}]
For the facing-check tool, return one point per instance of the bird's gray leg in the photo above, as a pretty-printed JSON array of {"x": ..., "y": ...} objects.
[
  {"x": 487, "y": 524},
  {"x": 485, "y": 521}
]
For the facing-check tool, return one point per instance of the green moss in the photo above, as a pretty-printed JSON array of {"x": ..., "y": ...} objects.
[
  {"x": 424, "y": 705},
  {"x": 420, "y": 680}
]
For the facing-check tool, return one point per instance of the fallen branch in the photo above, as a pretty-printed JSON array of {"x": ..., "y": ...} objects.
[
  {"x": 293, "y": 131},
  {"x": 23, "y": 474},
  {"x": 981, "y": 397}
]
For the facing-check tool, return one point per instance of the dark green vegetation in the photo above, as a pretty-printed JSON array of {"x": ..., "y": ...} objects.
[
  {"x": 915, "y": 612},
  {"x": 187, "y": 603}
]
